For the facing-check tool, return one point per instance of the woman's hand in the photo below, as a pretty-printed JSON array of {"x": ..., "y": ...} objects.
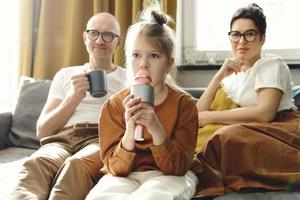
[
  {"x": 203, "y": 118},
  {"x": 230, "y": 65}
]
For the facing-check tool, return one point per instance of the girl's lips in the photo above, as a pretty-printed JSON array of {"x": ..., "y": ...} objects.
[{"x": 142, "y": 77}]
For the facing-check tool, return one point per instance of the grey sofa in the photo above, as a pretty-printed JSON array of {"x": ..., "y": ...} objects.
[
  {"x": 17, "y": 139},
  {"x": 17, "y": 132}
]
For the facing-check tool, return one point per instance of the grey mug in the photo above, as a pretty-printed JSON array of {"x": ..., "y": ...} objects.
[{"x": 97, "y": 81}]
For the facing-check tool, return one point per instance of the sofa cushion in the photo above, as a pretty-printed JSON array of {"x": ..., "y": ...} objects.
[
  {"x": 296, "y": 95},
  {"x": 5, "y": 124},
  {"x": 32, "y": 97}
]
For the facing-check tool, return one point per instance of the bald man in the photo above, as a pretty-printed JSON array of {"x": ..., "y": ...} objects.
[{"x": 68, "y": 163}]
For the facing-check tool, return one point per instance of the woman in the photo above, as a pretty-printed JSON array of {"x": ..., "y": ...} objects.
[
  {"x": 253, "y": 141},
  {"x": 157, "y": 167}
]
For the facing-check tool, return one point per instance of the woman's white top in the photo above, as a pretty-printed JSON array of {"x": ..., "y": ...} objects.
[{"x": 268, "y": 72}]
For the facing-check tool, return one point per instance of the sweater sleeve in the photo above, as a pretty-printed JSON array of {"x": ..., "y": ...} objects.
[
  {"x": 117, "y": 161},
  {"x": 175, "y": 156}
]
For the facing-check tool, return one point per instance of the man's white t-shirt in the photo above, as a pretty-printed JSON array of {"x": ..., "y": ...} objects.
[
  {"x": 268, "y": 72},
  {"x": 89, "y": 108}
]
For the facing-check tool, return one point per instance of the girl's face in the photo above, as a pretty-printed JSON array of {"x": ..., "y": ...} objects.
[
  {"x": 147, "y": 55},
  {"x": 242, "y": 49}
]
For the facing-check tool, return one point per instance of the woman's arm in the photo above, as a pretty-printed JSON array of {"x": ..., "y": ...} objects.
[
  {"x": 265, "y": 110},
  {"x": 229, "y": 66}
]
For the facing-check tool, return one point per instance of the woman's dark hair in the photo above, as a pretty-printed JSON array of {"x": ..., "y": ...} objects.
[{"x": 253, "y": 12}]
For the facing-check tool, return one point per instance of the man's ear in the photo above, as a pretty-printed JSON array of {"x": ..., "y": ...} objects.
[
  {"x": 84, "y": 36},
  {"x": 120, "y": 41}
]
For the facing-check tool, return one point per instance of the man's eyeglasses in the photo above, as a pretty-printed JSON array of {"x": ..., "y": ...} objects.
[
  {"x": 249, "y": 35},
  {"x": 106, "y": 36}
]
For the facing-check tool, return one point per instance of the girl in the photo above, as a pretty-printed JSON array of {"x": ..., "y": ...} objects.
[{"x": 158, "y": 167}]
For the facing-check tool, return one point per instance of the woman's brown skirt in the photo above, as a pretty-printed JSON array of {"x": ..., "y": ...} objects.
[{"x": 252, "y": 155}]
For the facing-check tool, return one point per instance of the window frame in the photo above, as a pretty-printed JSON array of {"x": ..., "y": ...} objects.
[{"x": 187, "y": 36}]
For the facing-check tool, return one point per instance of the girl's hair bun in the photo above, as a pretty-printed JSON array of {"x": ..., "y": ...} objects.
[{"x": 159, "y": 18}]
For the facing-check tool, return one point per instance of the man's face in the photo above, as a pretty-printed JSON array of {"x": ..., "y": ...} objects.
[{"x": 99, "y": 48}]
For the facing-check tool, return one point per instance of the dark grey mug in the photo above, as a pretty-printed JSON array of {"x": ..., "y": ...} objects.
[{"x": 97, "y": 80}]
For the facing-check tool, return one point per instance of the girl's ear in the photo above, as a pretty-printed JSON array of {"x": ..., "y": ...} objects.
[{"x": 170, "y": 64}]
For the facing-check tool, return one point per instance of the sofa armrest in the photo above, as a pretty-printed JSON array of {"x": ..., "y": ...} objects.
[
  {"x": 5, "y": 124},
  {"x": 296, "y": 95}
]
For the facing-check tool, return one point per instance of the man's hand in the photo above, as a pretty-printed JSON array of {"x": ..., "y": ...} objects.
[{"x": 80, "y": 85}]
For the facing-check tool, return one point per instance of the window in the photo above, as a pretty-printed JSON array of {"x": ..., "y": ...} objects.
[
  {"x": 9, "y": 40},
  {"x": 206, "y": 41}
]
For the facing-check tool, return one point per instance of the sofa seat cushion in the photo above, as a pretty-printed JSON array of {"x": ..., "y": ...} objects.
[
  {"x": 14, "y": 153},
  {"x": 11, "y": 160},
  {"x": 32, "y": 97}
]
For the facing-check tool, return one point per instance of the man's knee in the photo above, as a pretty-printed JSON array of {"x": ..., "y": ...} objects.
[
  {"x": 33, "y": 162},
  {"x": 72, "y": 162},
  {"x": 75, "y": 163},
  {"x": 81, "y": 168}
]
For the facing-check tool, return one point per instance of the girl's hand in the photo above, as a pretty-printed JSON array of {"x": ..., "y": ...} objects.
[
  {"x": 131, "y": 105},
  {"x": 147, "y": 117}
]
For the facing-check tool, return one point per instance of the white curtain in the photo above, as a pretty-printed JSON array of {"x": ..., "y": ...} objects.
[
  {"x": 179, "y": 32},
  {"x": 9, "y": 43},
  {"x": 185, "y": 32}
]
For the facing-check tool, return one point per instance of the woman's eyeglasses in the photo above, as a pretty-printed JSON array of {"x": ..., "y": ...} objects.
[{"x": 249, "y": 35}]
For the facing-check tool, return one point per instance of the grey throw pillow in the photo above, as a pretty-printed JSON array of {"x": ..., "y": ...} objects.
[{"x": 32, "y": 97}]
